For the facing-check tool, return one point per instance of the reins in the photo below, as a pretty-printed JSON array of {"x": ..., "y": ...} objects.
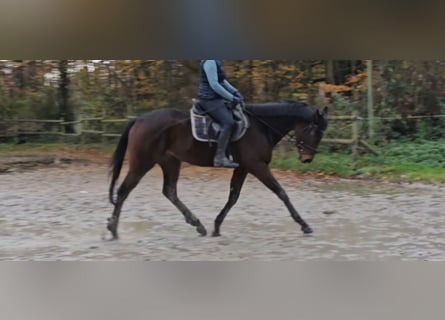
[
  {"x": 301, "y": 145},
  {"x": 253, "y": 115},
  {"x": 290, "y": 138}
]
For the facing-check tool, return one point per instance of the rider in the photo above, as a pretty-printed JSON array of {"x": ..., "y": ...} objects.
[{"x": 213, "y": 90}]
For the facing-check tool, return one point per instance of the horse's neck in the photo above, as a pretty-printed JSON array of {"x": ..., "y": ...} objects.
[{"x": 278, "y": 127}]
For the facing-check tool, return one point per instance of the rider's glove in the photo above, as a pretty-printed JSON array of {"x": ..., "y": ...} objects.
[
  {"x": 236, "y": 100},
  {"x": 239, "y": 95}
]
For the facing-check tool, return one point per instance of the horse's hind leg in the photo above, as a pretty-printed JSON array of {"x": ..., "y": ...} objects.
[
  {"x": 171, "y": 168},
  {"x": 129, "y": 183}
]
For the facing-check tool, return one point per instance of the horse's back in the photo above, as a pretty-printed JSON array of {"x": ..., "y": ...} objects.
[{"x": 155, "y": 123}]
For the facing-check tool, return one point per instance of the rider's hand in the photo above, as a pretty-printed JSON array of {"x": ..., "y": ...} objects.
[
  {"x": 236, "y": 100},
  {"x": 239, "y": 95}
]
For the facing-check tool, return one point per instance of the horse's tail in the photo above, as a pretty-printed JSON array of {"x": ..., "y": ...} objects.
[{"x": 118, "y": 159}]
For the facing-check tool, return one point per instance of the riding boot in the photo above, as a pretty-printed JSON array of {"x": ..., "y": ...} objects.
[{"x": 221, "y": 159}]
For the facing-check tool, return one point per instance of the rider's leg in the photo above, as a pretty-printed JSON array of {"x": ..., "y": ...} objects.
[{"x": 218, "y": 111}]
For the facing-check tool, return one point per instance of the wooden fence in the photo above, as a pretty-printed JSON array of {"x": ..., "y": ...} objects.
[
  {"x": 356, "y": 138},
  {"x": 103, "y": 132},
  {"x": 13, "y": 128}
]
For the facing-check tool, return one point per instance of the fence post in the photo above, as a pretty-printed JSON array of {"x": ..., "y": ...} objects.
[
  {"x": 62, "y": 131},
  {"x": 370, "y": 99},
  {"x": 82, "y": 136},
  {"x": 355, "y": 135},
  {"x": 15, "y": 129},
  {"x": 103, "y": 125}
]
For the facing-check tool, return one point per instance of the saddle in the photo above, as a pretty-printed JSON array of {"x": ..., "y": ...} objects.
[{"x": 206, "y": 129}]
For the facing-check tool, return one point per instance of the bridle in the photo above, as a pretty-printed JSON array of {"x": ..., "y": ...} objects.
[{"x": 302, "y": 146}]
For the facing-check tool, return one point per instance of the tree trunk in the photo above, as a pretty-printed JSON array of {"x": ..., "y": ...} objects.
[
  {"x": 66, "y": 111},
  {"x": 330, "y": 71},
  {"x": 310, "y": 81}
]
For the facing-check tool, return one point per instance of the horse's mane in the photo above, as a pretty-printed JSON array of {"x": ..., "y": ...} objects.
[{"x": 282, "y": 109}]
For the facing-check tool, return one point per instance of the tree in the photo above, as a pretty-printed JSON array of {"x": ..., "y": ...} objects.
[{"x": 65, "y": 107}]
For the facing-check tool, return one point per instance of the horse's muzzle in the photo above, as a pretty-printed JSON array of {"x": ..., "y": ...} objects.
[{"x": 306, "y": 158}]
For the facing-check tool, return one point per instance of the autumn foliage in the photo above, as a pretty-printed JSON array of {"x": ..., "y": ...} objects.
[{"x": 39, "y": 89}]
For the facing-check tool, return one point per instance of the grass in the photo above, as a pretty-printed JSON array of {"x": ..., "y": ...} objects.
[
  {"x": 31, "y": 149},
  {"x": 400, "y": 161}
]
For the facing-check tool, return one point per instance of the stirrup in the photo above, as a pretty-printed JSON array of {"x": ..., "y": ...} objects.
[{"x": 225, "y": 163}]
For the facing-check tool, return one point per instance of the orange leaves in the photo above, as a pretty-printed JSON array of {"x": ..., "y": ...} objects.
[
  {"x": 357, "y": 78},
  {"x": 329, "y": 88}
]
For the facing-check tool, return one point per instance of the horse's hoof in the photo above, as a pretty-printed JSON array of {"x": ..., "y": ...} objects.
[
  {"x": 216, "y": 234},
  {"x": 201, "y": 230},
  {"x": 113, "y": 231},
  {"x": 307, "y": 230},
  {"x": 113, "y": 238}
]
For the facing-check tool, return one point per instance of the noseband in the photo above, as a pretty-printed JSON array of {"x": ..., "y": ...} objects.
[{"x": 302, "y": 146}]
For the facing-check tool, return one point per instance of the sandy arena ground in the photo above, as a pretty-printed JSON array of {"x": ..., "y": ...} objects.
[{"x": 59, "y": 212}]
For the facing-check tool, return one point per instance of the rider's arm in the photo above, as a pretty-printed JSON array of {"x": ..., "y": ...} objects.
[
  {"x": 229, "y": 87},
  {"x": 212, "y": 76}
]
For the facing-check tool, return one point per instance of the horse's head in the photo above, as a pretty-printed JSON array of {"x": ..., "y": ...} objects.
[{"x": 308, "y": 135}]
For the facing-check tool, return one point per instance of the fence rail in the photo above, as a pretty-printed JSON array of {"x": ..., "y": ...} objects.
[
  {"x": 13, "y": 129},
  {"x": 356, "y": 139},
  {"x": 104, "y": 133}
]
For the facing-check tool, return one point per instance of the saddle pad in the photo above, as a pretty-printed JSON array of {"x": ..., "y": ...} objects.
[{"x": 205, "y": 129}]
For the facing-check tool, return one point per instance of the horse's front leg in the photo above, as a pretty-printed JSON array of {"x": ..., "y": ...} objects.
[{"x": 262, "y": 172}]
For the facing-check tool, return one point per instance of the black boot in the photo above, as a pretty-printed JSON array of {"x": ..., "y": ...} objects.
[{"x": 221, "y": 159}]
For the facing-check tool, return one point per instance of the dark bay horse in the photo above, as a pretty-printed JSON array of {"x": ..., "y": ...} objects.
[{"x": 164, "y": 137}]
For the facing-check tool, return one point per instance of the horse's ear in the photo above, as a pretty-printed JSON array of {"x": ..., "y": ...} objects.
[
  {"x": 317, "y": 116},
  {"x": 325, "y": 111}
]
